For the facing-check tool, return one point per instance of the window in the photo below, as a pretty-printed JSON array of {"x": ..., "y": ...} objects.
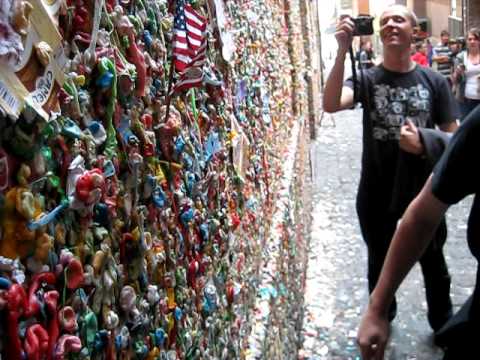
[
  {"x": 453, "y": 7},
  {"x": 345, "y": 4},
  {"x": 456, "y": 8}
]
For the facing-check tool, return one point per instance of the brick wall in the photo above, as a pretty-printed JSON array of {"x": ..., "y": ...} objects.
[
  {"x": 473, "y": 14},
  {"x": 363, "y": 7}
]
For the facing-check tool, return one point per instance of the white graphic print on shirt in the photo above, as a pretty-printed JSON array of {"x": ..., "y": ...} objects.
[{"x": 392, "y": 106}]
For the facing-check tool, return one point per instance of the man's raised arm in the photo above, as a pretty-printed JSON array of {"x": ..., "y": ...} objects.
[{"x": 336, "y": 96}]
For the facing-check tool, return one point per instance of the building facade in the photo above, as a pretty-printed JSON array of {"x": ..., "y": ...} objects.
[
  {"x": 456, "y": 16},
  {"x": 472, "y": 13}
]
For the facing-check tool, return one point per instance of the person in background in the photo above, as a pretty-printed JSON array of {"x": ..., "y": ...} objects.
[
  {"x": 455, "y": 176},
  {"x": 455, "y": 47},
  {"x": 420, "y": 55},
  {"x": 407, "y": 111},
  {"x": 429, "y": 51},
  {"x": 413, "y": 48},
  {"x": 462, "y": 44},
  {"x": 366, "y": 56},
  {"x": 466, "y": 77},
  {"x": 442, "y": 60}
]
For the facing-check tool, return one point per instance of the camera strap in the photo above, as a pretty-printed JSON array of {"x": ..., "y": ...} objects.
[
  {"x": 361, "y": 92},
  {"x": 358, "y": 88},
  {"x": 354, "y": 76}
]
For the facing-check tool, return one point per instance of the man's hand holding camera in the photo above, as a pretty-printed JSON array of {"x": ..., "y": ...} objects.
[
  {"x": 344, "y": 33},
  {"x": 348, "y": 27}
]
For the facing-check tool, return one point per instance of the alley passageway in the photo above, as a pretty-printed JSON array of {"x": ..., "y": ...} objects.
[{"x": 336, "y": 288}]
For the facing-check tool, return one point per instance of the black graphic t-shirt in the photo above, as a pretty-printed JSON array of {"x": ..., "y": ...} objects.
[
  {"x": 457, "y": 174},
  {"x": 390, "y": 176}
]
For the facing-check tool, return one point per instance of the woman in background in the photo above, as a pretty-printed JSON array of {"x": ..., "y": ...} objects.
[{"x": 466, "y": 76}]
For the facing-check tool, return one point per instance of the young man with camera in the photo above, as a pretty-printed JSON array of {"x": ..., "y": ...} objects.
[{"x": 403, "y": 104}]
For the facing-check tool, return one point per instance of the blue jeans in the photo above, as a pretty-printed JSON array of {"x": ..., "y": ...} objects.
[{"x": 467, "y": 106}]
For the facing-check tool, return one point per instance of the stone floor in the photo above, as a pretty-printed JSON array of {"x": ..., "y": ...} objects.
[{"x": 336, "y": 289}]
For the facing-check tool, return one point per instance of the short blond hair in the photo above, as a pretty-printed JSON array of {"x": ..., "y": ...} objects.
[{"x": 406, "y": 11}]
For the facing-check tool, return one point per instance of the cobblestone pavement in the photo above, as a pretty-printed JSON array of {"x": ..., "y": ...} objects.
[{"x": 336, "y": 288}]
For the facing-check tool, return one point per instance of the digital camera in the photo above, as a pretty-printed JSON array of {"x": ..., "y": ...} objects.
[{"x": 363, "y": 25}]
